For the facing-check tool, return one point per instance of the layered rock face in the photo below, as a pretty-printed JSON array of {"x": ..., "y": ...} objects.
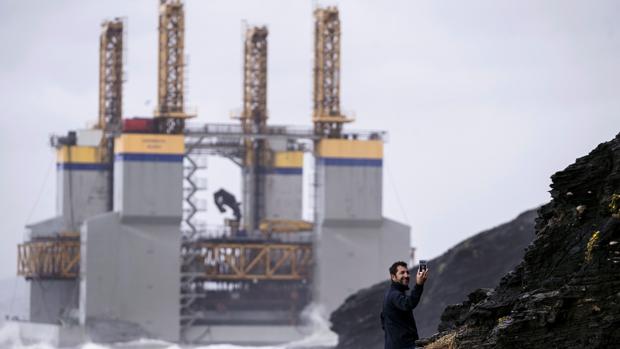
[
  {"x": 566, "y": 291},
  {"x": 479, "y": 261}
]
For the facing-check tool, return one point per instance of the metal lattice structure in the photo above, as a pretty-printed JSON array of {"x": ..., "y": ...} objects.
[
  {"x": 255, "y": 78},
  {"x": 111, "y": 76},
  {"x": 327, "y": 116},
  {"x": 170, "y": 110},
  {"x": 211, "y": 260},
  {"x": 110, "y": 91},
  {"x": 191, "y": 229},
  {"x": 254, "y": 119},
  {"x": 49, "y": 259},
  {"x": 247, "y": 282},
  {"x": 254, "y": 261},
  {"x": 192, "y": 185}
]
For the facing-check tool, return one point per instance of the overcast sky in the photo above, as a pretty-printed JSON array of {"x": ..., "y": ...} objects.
[{"x": 482, "y": 100}]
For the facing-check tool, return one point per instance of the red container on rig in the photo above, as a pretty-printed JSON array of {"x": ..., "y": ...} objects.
[{"x": 138, "y": 125}]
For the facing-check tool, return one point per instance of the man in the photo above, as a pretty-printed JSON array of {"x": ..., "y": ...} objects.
[{"x": 397, "y": 315}]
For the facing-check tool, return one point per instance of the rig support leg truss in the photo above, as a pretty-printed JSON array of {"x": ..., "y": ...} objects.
[
  {"x": 170, "y": 112},
  {"x": 327, "y": 116},
  {"x": 110, "y": 93},
  {"x": 254, "y": 120},
  {"x": 111, "y": 76}
]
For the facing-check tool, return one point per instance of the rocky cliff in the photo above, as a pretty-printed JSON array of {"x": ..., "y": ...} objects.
[
  {"x": 479, "y": 261},
  {"x": 566, "y": 291}
]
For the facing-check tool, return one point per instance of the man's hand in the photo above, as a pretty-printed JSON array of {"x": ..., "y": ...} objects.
[{"x": 421, "y": 276}]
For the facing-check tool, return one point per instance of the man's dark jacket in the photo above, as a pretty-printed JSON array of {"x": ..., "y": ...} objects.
[{"x": 397, "y": 316}]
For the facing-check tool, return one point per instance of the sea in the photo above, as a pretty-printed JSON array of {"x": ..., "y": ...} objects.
[{"x": 321, "y": 337}]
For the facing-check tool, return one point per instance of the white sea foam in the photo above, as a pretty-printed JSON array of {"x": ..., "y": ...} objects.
[
  {"x": 9, "y": 334},
  {"x": 10, "y": 338},
  {"x": 320, "y": 336}
]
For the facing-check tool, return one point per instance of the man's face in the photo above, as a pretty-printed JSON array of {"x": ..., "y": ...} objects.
[{"x": 402, "y": 275}]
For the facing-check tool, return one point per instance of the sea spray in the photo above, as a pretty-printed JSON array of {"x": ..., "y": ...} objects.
[
  {"x": 313, "y": 316},
  {"x": 321, "y": 335}
]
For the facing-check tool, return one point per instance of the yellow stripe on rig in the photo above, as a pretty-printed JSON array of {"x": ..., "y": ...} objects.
[
  {"x": 350, "y": 149},
  {"x": 149, "y": 144},
  {"x": 288, "y": 159},
  {"x": 75, "y": 154}
]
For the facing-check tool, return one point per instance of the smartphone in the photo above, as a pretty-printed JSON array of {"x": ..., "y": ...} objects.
[{"x": 422, "y": 266}]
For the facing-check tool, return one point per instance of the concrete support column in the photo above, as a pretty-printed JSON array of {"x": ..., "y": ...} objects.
[
  {"x": 351, "y": 232},
  {"x": 284, "y": 186},
  {"x": 82, "y": 184},
  {"x": 130, "y": 270}
]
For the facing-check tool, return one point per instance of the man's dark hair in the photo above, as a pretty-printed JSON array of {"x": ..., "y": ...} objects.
[{"x": 395, "y": 266}]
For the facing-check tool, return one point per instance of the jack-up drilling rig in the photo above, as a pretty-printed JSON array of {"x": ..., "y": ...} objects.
[{"x": 126, "y": 249}]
